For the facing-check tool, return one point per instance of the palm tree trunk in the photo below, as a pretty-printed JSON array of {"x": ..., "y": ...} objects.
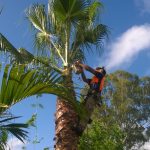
[
  {"x": 66, "y": 121},
  {"x": 66, "y": 137}
]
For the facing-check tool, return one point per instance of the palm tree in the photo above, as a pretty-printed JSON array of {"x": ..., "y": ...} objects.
[
  {"x": 63, "y": 34},
  {"x": 16, "y": 129}
]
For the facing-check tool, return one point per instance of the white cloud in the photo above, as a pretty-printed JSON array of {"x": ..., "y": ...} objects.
[
  {"x": 146, "y": 146},
  {"x": 126, "y": 47},
  {"x": 14, "y": 144},
  {"x": 144, "y": 5}
]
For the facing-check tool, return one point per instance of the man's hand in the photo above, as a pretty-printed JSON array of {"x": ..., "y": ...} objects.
[
  {"x": 77, "y": 63},
  {"x": 86, "y": 67},
  {"x": 78, "y": 68}
]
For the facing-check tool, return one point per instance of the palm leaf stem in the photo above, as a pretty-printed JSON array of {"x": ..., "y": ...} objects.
[
  {"x": 58, "y": 51},
  {"x": 66, "y": 48}
]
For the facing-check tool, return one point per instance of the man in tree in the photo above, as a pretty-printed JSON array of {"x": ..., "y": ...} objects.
[
  {"x": 92, "y": 96},
  {"x": 96, "y": 83}
]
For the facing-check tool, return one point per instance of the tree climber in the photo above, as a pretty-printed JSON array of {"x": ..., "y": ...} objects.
[
  {"x": 93, "y": 96},
  {"x": 96, "y": 83}
]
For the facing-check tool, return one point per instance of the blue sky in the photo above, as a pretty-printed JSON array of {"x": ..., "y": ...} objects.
[{"x": 128, "y": 48}]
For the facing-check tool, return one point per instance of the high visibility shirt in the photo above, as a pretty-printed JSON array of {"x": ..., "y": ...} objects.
[{"x": 97, "y": 82}]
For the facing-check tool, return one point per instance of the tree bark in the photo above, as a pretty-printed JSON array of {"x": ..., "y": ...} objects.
[
  {"x": 66, "y": 137},
  {"x": 66, "y": 120}
]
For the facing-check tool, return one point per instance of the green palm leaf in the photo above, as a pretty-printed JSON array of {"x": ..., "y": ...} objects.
[
  {"x": 69, "y": 10},
  {"x": 19, "y": 83},
  {"x": 93, "y": 12},
  {"x": 23, "y": 56},
  {"x": 16, "y": 129},
  {"x": 44, "y": 36},
  {"x": 90, "y": 36},
  {"x": 37, "y": 16},
  {"x": 19, "y": 55},
  {"x": 76, "y": 54},
  {"x": 3, "y": 139},
  {"x": 6, "y": 46}
]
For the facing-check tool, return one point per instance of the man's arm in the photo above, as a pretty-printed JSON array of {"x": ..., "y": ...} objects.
[
  {"x": 88, "y": 68},
  {"x": 84, "y": 77}
]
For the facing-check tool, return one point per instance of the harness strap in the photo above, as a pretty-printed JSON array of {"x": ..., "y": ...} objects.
[{"x": 99, "y": 83}]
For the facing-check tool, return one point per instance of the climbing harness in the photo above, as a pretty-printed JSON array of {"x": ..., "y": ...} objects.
[{"x": 97, "y": 83}]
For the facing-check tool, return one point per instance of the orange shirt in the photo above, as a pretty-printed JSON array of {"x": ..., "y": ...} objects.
[{"x": 95, "y": 82}]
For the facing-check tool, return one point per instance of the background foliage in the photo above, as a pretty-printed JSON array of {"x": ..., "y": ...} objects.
[{"x": 123, "y": 119}]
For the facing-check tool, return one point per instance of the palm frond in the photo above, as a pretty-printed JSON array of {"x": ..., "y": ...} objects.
[
  {"x": 17, "y": 129},
  {"x": 42, "y": 42},
  {"x": 3, "y": 139},
  {"x": 8, "y": 119},
  {"x": 23, "y": 56},
  {"x": 94, "y": 12},
  {"x": 37, "y": 16},
  {"x": 69, "y": 10},
  {"x": 26, "y": 56},
  {"x": 6, "y": 46},
  {"x": 44, "y": 37},
  {"x": 48, "y": 62},
  {"x": 19, "y": 83},
  {"x": 76, "y": 54},
  {"x": 90, "y": 36},
  {"x": 88, "y": 32},
  {"x": 96, "y": 35},
  {"x": 19, "y": 55}
]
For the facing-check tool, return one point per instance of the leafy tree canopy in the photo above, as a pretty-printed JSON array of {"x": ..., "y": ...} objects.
[{"x": 124, "y": 116}]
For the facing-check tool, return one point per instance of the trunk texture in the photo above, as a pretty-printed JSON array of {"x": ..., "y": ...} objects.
[
  {"x": 66, "y": 137},
  {"x": 66, "y": 121}
]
